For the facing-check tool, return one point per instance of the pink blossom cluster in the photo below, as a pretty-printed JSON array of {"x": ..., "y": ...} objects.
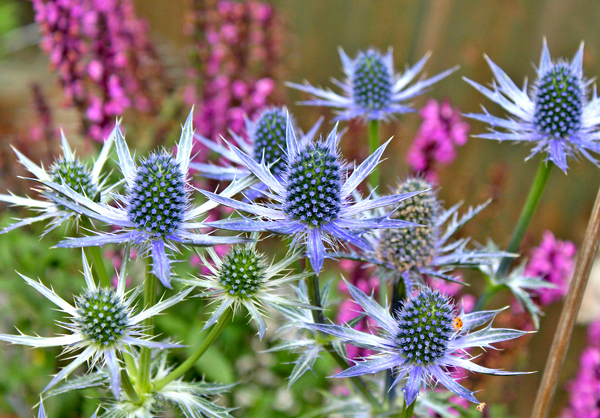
[
  {"x": 102, "y": 55},
  {"x": 552, "y": 261},
  {"x": 237, "y": 54},
  {"x": 441, "y": 131},
  {"x": 584, "y": 401},
  {"x": 349, "y": 309}
]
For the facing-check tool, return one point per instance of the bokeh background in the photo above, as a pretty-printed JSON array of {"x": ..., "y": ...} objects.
[{"x": 457, "y": 32}]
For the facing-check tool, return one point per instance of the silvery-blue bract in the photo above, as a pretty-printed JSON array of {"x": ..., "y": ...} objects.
[
  {"x": 555, "y": 116},
  {"x": 372, "y": 90}
]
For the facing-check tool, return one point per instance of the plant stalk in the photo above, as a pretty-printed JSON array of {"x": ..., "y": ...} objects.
[
  {"x": 562, "y": 337},
  {"x": 150, "y": 283},
  {"x": 206, "y": 343},
  {"x": 95, "y": 255},
  {"x": 373, "y": 145},
  {"x": 127, "y": 385},
  {"x": 535, "y": 193},
  {"x": 408, "y": 410}
]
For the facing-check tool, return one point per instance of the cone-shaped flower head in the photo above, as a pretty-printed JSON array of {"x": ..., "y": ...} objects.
[
  {"x": 67, "y": 171},
  {"x": 313, "y": 201},
  {"x": 266, "y": 142},
  {"x": 422, "y": 341},
  {"x": 242, "y": 277},
  {"x": 556, "y": 115},
  {"x": 156, "y": 213},
  {"x": 427, "y": 249},
  {"x": 412, "y": 247},
  {"x": 372, "y": 90},
  {"x": 103, "y": 322}
]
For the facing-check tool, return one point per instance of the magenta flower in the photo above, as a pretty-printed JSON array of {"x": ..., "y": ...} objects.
[
  {"x": 552, "y": 261},
  {"x": 440, "y": 133}
]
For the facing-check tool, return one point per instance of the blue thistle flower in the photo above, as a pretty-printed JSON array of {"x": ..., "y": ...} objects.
[
  {"x": 372, "y": 90},
  {"x": 425, "y": 250},
  {"x": 156, "y": 214},
  {"x": 422, "y": 341},
  {"x": 67, "y": 171},
  {"x": 103, "y": 322},
  {"x": 556, "y": 115},
  {"x": 312, "y": 200},
  {"x": 266, "y": 138}
]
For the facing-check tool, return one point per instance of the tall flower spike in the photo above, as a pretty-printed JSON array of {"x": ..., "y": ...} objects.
[
  {"x": 67, "y": 171},
  {"x": 312, "y": 200},
  {"x": 103, "y": 322},
  {"x": 156, "y": 214},
  {"x": 426, "y": 250},
  {"x": 266, "y": 138},
  {"x": 555, "y": 116},
  {"x": 243, "y": 278},
  {"x": 372, "y": 90},
  {"x": 421, "y": 342}
]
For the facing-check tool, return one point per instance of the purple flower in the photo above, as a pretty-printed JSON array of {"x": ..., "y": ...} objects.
[
  {"x": 552, "y": 261},
  {"x": 312, "y": 200},
  {"x": 156, "y": 214},
  {"x": 421, "y": 342},
  {"x": 441, "y": 131}
]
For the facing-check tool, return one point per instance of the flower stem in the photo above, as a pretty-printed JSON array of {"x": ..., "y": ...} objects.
[
  {"x": 373, "y": 145},
  {"x": 535, "y": 193},
  {"x": 398, "y": 295},
  {"x": 408, "y": 410},
  {"x": 145, "y": 352},
  {"x": 562, "y": 336},
  {"x": 126, "y": 383},
  {"x": 206, "y": 343},
  {"x": 96, "y": 256}
]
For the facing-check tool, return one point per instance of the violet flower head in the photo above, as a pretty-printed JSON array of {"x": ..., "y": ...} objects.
[
  {"x": 425, "y": 338},
  {"x": 312, "y": 201},
  {"x": 156, "y": 214},
  {"x": 556, "y": 116},
  {"x": 372, "y": 90},
  {"x": 553, "y": 261},
  {"x": 441, "y": 131}
]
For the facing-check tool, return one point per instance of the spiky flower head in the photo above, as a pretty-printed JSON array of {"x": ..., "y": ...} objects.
[
  {"x": 412, "y": 247},
  {"x": 425, "y": 340},
  {"x": 155, "y": 213},
  {"x": 268, "y": 132},
  {"x": 372, "y": 90},
  {"x": 242, "y": 277},
  {"x": 67, "y": 171},
  {"x": 314, "y": 200},
  {"x": 556, "y": 115},
  {"x": 103, "y": 322}
]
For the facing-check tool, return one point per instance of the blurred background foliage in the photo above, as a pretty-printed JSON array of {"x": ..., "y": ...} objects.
[{"x": 459, "y": 32}]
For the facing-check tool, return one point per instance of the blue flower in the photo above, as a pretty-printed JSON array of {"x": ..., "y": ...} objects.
[
  {"x": 372, "y": 90},
  {"x": 103, "y": 323},
  {"x": 426, "y": 337},
  {"x": 312, "y": 201},
  {"x": 68, "y": 171},
  {"x": 556, "y": 115},
  {"x": 426, "y": 250},
  {"x": 156, "y": 214},
  {"x": 266, "y": 137}
]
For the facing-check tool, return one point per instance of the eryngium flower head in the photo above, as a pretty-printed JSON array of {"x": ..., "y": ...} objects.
[
  {"x": 103, "y": 322},
  {"x": 425, "y": 338},
  {"x": 425, "y": 250},
  {"x": 67, "y": 171},
  {"x": 556, "y": 115},
  {"x": 156, "y": 213},
  {"x": 243, "y": 278},
  {"x": 372, "y": 90},
  {"x": 266, "y": 140},
  {"x": 313, "y": 199}
]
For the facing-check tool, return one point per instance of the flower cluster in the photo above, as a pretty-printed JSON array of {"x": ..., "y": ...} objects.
[{"x": 441, "y": 131}]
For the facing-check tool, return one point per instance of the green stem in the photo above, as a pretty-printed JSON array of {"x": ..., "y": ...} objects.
[
  {"x": 96, "y": 256},
  {"x": 487, "y": 295},
  {"x": 398, "y": 295},
  {"x": 145, "y": 352},
  {"x": 127, "y": 385},
  {"x": 206, "y": 343},
  {"x": 408, "y": 410},
  {"x": 539, "y": 183},
  {"x": 373, "y": 145}
]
